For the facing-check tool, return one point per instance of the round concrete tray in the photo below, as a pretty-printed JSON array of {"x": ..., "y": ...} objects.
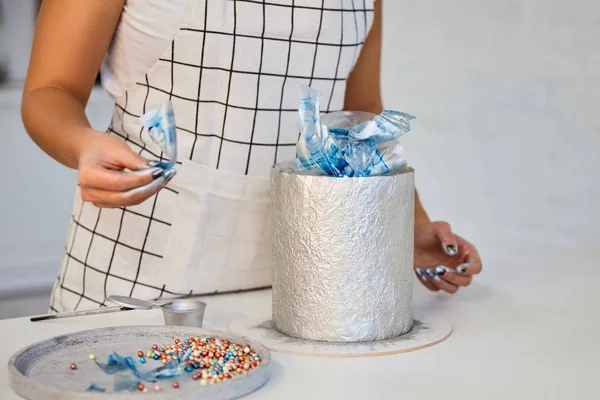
[{"x": 41, "y": 371}]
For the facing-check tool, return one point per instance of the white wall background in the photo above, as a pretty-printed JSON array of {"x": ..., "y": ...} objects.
[
  {"x": 507, "y": 96},
  {"x": 37, "y": 195},
  {"x": 16, "y": 32}
]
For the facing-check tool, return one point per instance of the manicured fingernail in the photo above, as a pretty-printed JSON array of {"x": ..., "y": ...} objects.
[
  {"x": 450, "y": 250},
  {"x": 462, "y": 268},
  {"x": 153, "y": 163},
  {"x": 419, "y": 272},
  {"x": 440, "y": 270},
  {"x": 158, "y": 173},
  {"x": 430, "y": 272},
  {"x": 170, "y": 174}
]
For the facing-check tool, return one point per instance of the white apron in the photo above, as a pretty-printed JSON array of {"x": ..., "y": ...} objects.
[{"x": 232, "y": 73}]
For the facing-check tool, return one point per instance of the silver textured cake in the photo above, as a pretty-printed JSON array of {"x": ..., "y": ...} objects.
[{"x": 343, "y": 256}]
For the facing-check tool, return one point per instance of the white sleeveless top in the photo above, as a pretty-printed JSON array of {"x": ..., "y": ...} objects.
[{"x": 231, "y": 69}]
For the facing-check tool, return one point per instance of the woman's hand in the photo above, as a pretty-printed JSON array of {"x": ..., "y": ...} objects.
[
  {"x": 444, "y": 260},
  {"x": 112, "y": 175}
]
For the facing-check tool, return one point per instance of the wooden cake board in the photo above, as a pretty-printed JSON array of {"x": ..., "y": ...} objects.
[{"x": 426, "y": 332}]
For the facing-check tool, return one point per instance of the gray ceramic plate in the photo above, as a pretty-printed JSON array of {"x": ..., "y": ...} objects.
[{"x": 42, "y": 371}]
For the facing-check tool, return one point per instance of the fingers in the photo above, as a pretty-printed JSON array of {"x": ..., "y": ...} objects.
[
  {"x": 113, "y": 153},
  {"x": 445, "y": 286},
  {"x": 425, "y": 280},
  {"x": 472, "y": 266},
  {"x": 112, "y": 199},
  {"x": 452, "y": 277},
  {"x": 442, "y": 278},
  {"x": 107, "y": 198},
  {"x": 447, "y": 239},
  {"x": 455, "y": 269},
  {"x": 471, "y": 260},
  {"x": 129, "y": 158},
  {"x": 117, "y": 181}
]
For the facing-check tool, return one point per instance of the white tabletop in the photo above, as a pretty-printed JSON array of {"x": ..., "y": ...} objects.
[{"x": 524, "y": 330}]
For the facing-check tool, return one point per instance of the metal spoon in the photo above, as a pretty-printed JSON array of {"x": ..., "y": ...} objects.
[
  {"x": 137, "y": 304},
  {"x": 123, "y": 304},
  {"x": 178, "y": 312}
]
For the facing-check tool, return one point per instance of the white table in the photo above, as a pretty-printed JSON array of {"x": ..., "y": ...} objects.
[{"x": 525, "y": 330}]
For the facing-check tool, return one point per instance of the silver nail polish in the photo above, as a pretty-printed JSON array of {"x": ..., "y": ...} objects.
[
  {"x": 430, "y": 272},
  {"x": 157, "y": 174},
  {"x": 440, "y": 270},
  {"x": 451, "y": 250},
  {"x": 421, "y": 274},
  {"x": 169, "y": 174},
  {"x": 153, "y": 163},
  {"x": 461, "y": 269}
]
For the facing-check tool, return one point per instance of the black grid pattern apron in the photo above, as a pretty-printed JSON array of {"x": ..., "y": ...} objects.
[{"x": 232, "y": 73}]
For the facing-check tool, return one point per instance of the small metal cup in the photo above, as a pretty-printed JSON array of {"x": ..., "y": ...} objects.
[{"x": 184, "y": 312}]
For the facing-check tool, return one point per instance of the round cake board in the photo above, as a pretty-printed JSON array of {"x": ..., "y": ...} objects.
[
  {"x": 427, "y": 331},
  {"x": 42, "y": 371}
]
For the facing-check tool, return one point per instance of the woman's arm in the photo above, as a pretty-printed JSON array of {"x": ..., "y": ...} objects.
[
  {"x": 363, "y": 90},
  {"x": 70, "y": 42},
  {"x": 442, "y": 260}
]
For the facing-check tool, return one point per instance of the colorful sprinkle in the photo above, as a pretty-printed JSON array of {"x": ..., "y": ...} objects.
[{"x": 209, "y": 360}]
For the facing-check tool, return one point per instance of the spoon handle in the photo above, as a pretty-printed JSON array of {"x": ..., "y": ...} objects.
[{"x": 82, "y": 313}]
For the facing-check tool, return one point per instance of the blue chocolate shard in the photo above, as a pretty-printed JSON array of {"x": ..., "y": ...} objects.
[{"x": 95, "y": 388}]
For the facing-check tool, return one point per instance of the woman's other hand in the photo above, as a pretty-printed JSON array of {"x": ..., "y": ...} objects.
[
  {"x": 444, "y": 260},
  {"x": 112, "y": 175}
]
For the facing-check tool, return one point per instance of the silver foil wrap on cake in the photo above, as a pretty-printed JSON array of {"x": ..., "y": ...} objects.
[{"x": 343, "y": 256}]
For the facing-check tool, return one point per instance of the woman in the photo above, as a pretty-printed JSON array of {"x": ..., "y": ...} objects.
[{"x": 231, "y": 69}]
